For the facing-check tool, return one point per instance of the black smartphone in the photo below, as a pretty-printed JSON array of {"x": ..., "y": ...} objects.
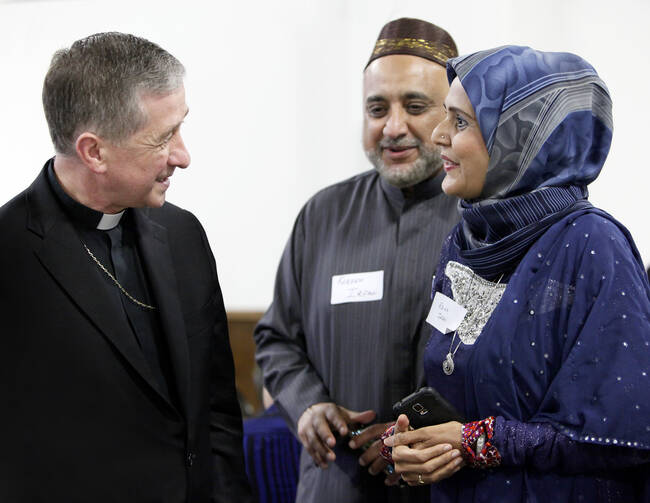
[{"x": 427, "y": 407}]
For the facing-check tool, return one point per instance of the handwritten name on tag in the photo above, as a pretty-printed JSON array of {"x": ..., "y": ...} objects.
[
  {"x": 445, "y": 314},
  {"x": 357, "y": 287}
]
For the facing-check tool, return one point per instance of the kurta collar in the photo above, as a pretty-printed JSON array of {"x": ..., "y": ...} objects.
[
  {"x": 426, "y": 189},
  {"x": 80, "y": 213}
]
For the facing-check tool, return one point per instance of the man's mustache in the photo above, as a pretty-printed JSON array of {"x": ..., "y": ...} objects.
[{"x": 399, "y": 143}]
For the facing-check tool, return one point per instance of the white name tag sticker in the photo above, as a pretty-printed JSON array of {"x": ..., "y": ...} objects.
[
  {"x": 445, "y": 315},
  {"x": 357, "y": 287}
]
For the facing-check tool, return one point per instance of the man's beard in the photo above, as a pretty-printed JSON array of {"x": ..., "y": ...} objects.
[{"x": 425, "y": 166}]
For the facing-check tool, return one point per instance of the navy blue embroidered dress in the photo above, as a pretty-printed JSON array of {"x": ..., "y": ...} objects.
[{"x": 555, "y": 344}]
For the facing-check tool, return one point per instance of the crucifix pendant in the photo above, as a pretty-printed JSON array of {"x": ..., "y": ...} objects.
[{"x": 448, "y": 364}]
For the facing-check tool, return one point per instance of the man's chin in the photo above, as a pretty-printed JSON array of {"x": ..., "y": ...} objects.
[
  {"x": 154, "y": 202},
  {"x": 401, "y": 176},
  {"x": 404, "y": 175}
]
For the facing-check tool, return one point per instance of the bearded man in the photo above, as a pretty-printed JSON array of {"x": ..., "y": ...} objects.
[{"x": 343, "y": 338}]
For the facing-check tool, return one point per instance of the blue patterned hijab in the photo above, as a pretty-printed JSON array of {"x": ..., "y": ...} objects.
[
  {"x": 547, "y": 123},
  {"x": 546, "y": 117}
]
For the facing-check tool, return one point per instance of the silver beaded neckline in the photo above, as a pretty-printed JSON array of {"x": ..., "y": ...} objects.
[{"x": 479, "y": 296}]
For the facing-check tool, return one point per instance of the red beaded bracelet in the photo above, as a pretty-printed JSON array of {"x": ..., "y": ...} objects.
[
  {"x": 478, "y": 450},
  {"x": 387, "y": 452}
]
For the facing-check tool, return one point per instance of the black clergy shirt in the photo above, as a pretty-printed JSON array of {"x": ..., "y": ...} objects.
[{"x": 115, "y": 247}]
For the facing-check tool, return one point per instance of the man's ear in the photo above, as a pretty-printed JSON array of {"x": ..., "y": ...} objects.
[{"x": 90, "y": 150}]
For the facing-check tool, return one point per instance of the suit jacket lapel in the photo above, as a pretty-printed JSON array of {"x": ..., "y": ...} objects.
[
  {"x": 158, "y": 264},
  {"x": 61, "y": 252}
]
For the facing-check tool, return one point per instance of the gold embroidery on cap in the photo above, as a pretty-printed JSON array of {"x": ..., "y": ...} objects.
[{"x": 439, "y": 51}]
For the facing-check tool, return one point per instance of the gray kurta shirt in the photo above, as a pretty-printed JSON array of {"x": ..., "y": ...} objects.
[{"x": 361, "y": 355}]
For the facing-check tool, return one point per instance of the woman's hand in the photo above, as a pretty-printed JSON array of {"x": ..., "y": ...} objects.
[{"x": 426, "y": 455}]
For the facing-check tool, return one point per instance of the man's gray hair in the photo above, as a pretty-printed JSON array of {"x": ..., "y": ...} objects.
[{"x": 96, "y": 86}]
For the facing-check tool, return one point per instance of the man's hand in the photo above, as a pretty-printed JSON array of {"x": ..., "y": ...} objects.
[
  {"x": 371, "y": 457},
  {"x": 316, "y": 424}
]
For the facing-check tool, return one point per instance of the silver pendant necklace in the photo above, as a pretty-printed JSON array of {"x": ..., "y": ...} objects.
[{"x": 448, "y": 363}]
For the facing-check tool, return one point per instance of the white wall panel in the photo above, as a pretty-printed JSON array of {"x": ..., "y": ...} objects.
[{"x": 274, "y": 90}]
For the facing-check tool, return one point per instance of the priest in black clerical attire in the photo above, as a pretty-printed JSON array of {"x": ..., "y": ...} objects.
[{"x": 116, "y": 374}]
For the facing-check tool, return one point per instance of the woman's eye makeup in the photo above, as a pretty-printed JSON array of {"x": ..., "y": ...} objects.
[{"x": 461, "y": 123}]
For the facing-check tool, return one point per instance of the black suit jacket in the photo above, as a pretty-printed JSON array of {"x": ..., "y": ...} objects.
[{"x": 81, "y": 417}]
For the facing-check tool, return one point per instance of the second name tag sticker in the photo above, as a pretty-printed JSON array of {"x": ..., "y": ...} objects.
[{"x": 445, "y": 315}]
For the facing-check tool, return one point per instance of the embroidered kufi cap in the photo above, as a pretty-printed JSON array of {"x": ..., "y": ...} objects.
[{"x": 415, "y": 37}]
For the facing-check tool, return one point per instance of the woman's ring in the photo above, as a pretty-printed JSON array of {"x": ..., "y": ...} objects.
[{"x": 420, "y": 481}]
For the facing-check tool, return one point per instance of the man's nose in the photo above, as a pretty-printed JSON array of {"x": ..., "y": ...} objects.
[
  {"x": 396, "y": 125},
  {"x": 179, "y": 155}
]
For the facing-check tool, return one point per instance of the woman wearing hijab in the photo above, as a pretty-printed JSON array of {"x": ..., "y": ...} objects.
[{"x": 551, "y": 362}]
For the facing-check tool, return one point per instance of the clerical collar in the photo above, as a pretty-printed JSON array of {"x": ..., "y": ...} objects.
[
  {"x": 108, "y": 221},
  {"x": 86, "y": 216}
]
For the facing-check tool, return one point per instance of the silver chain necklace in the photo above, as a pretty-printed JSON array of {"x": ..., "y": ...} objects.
[
  {"x": 448, "y": 363},
  {"x": 117, "y": 283}
]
